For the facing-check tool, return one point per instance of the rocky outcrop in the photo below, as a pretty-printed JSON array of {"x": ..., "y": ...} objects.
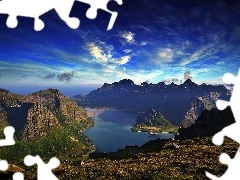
[
  {"x": 199, "y": 104},
  {"x": 37, "y": 114},
  {"x": 40, "y": 121},
  {"x": 58, "y": 104},
  {"x": 4, "y": 175},
  {"x": 209, "y": 123},
  {"x": 153, "y": 118}
]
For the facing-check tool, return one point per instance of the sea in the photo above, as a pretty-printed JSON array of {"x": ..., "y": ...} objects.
[{"x": 112, "y": 131}]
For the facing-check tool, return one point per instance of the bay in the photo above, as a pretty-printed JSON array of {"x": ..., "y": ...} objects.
[{"x": 112, "y": 131}]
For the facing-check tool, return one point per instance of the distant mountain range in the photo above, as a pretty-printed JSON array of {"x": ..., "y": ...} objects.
[{"x": 181, "y": 104}]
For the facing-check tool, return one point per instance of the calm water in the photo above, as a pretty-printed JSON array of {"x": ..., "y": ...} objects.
[{"x": 112, "y": 131}]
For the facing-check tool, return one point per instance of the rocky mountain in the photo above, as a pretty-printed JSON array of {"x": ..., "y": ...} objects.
[
  {"x": 153, "y": 121},
  {"x": 178, "y": 103},
  {"x": 44, "y": 122},
  {"x": 199, "y": 104},
  {"x": 207, "y": 124},
  {"x": 35, "y": 114}
]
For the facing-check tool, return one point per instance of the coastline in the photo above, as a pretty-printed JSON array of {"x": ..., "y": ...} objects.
[{"x": 95, "y": 112}]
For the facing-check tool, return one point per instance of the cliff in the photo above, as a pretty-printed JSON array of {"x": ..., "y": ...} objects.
[
  {"x": 207, "y": 124},
  {"x": 45, "y": 122},
  {"x": 153, "y": 121}
]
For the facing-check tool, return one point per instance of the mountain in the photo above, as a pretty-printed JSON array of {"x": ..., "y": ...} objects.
[
  {"x": 207, "y": 124},
  {"x": 174, "y": 101},
  {"x": 45, "y": 122},
  {"x": 153, "y": 121}
]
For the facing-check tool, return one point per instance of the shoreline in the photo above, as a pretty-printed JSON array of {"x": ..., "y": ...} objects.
[{"x": 95, "y": 112}]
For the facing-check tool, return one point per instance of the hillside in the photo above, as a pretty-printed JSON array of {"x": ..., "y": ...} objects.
[
  {"x": 46, "y": 123},
  {"x": 154, "y": 122},
  {"x": 188, "y": 158},
  {"x": 209, "y": 123}
]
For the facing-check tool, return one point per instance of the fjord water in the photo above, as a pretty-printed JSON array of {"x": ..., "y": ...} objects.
[{"x": 112, "y": 131}]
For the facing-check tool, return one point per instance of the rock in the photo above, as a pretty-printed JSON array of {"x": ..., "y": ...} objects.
[
  {"x": 208, "y": 124},
  {"x": 173, "y": 146}
]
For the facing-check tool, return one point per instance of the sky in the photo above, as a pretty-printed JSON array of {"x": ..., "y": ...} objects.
[{"x": 151, "y": 40}]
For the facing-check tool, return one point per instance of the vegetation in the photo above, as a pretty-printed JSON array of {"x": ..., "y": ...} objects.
[
  {"x": 66, "y": 144},
  {"x": 155, "y": 129},
  {"x": 189, "y": 161},
  {"x": 153, "y": 122},
  {"x": 46, "y": 124}
]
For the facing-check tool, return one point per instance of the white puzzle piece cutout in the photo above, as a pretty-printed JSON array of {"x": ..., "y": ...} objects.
[
  {"x": 232, "y": 172},
  {"x": 36, "y": 8},
  {"x": 101, "y": 4},
  {"x": 3, "y": 165},
  {"x": 18, "y": 176},
  {"x": 9, "y": 140},
  {"x": 231, "y": 131},
  {"x": 44, "y": 171}
]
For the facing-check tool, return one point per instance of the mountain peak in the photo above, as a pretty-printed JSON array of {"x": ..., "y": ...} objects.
[
  {"x": 189, "y": 83},
  {"x": 126, "y": 82}
]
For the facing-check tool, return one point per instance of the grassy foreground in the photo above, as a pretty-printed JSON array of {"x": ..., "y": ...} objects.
[{"x": 189, "y": 161}]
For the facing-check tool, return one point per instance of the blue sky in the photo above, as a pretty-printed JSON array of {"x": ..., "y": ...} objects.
[{"x": 152, "y": 40}]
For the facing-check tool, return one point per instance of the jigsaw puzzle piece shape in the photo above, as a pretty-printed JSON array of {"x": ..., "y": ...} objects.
[
  {"x": 25, "y": 8},
  {"x": 229, "y": 78},
  {"x": 101, "y": 4},
  {"x": 63, "y": 9},
  {"x": 229, "y": 131},
  {"x": 18, "y": 176},
  {"x": 232, "y": 172},
  {"x": 36, "y": 8},
  {"x": 9, "y": 140},
  {"x": 3, "y": 165},
  {"x": 221, "y": 104},
  {"x": 44, "y": 170}
]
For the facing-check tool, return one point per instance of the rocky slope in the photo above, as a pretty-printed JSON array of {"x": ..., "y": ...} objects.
[
  {"x": 207, "y": 124},
  {"x": 199, "y": 104},
  {"x": 45, "y": 122},
  {"x": 34, "y": 115},
  {"x": 153, "y": 121}
]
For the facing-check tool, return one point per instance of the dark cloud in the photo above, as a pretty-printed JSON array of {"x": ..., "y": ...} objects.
[
  {"x": 65, "y": 77},
  {"x": 174, "y": 80},
  {"x": 0, "y": 74},
  {"x": 187, "y": 75},
  {"x": 50, "y": 76}
]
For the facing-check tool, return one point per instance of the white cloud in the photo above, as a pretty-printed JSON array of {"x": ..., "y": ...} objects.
[
  {"x": 143, "y": 43},
  {"x": 123, "y": 60},
  {"x": 205, "y": 52},
  {"x": 128, "y": 37},
  {"x": 97, "y": 52},
  {"x": 127, "y": 50},
  {"x": 166, "y": 54},
  {"x": 141, "y": 76},
  {"x": 167, "y": 81},
  {"x": 187, "y": 75}
]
